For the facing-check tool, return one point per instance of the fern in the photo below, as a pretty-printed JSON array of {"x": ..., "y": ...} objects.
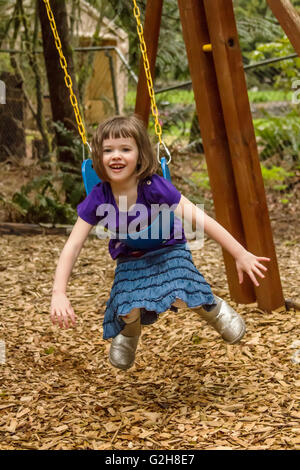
[
  {"x": 38, "y": 201},
  {"x": 279, "y": 135},
  {"x": 53, "y": 197}
]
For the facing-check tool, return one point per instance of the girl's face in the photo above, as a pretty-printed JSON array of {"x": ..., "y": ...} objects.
[{"x": 120, "y": 157}]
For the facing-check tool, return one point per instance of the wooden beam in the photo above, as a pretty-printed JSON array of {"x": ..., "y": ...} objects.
[
  {"x": 213, "y": 132},
  {"x": 289, "y": 20},
  {"x": 242, "y": 142},
  {"x": 151, "y": 34},
  {"x": 9, "y": 228}
]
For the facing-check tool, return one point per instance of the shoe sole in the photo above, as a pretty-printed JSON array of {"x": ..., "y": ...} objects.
[
  {"x": 238, "y": 338},
  {"x": 126, "y": 342},
  {"x": 119, "y": 366}
]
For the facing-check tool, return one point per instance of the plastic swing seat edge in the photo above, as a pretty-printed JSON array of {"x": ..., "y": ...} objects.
[{"x": 89, "y": 176}]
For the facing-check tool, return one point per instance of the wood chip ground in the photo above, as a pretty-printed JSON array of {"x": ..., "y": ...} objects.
[{"x": 187, "y": 390}]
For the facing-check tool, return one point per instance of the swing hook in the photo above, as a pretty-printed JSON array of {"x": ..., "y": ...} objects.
[
  {"x": 166, "y": 150},
  {"x": 83, "y": 150}
]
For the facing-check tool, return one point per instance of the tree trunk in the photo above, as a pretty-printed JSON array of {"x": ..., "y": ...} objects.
[{"x": 62, "y": 110}]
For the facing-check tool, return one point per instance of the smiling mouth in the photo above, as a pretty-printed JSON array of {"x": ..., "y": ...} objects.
[{"x": 116, "y": 167}]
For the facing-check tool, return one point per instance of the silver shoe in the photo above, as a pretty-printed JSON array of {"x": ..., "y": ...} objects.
[
  {"x": 226, "y": 321},
  {"x": 122, "y": 351}
]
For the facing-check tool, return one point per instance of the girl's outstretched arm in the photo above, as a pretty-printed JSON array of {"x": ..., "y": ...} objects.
[
  {"x": 245, "y": 261},
  {"x": 61, "y": 309}
]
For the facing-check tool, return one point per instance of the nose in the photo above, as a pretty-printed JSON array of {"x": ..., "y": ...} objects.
[{"x": 115, "y": 155}]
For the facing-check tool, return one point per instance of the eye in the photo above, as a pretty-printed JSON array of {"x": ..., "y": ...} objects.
[{"x": 106, "y": 150}]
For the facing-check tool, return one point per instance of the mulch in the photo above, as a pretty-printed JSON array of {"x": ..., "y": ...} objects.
[{"x": 187, "y": 390}]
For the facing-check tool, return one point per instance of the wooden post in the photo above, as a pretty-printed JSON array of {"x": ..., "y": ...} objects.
[
  {"x": 289, "y": 20},
  {"x": 151, "y": 34},
  {"x": 213, "y": 132},
  {"x": 242, "y": 142}
]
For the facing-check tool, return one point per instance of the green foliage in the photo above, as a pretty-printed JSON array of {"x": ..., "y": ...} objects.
[
  {"x": 70, "y": 175},
  {"x": 276, "y": 177},
  {"x": 171, "y": 60},
  {"x": 196, "y": 339},
  {"x": 53, "y": 197},
  {"x": 255, "y": 23},
  {"x": 49, "y": 350},
  {"x": 279, "y": 135},
  {"x": 184, "y": 97},
  {"x": 7, "y": 18},
  {"x": 261, "y": 37},
  {"x": 39, "y": 201},
  {"x": 72, "y": 143},
  {"x": 175, "y": 110},
  {"x": 252, "y": 7},
  {"x": 263, "y": 96},
  {"x": 5, "y": 63},
  {"x": 281, "y": 73},
  {"x": 253, "y": 30},
  {"x": 284, "y": 201},
  {"x": 201, "y": 179}
]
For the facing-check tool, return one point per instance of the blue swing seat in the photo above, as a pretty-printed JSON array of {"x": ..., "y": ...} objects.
[
  {"x": 90, "y": 177},
  {"x": 139, "y": 240}
]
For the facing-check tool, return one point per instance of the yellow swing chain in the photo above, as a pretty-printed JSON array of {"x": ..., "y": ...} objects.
[
  {"x": 68, "y": 80},
  {"x": 154, "y": 110},
  {"x": 69, "y": 84}
]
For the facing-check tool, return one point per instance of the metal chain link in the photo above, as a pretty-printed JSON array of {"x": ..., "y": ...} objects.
[
  {"x": 68, "y": 79},
  {"x": 69, "y": 84},
  {"x": 140, "y": 31}
]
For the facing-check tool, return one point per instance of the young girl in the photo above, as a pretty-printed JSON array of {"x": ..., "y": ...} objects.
[{"x": 147, "y": 281}]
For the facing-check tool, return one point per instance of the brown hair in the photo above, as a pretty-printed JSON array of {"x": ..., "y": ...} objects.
[{"x": 124, "y": 126}]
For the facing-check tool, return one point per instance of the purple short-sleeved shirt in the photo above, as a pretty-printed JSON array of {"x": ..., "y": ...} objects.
[{"x": 151, "y": 191}]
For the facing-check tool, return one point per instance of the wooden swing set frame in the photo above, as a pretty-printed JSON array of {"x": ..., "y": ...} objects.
[{"x": 223, "y": 109}]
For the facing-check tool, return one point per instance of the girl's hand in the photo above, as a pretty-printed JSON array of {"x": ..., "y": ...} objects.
[
  {"x": 62, "y": 311},
  {"x": 251, "y": 265}
]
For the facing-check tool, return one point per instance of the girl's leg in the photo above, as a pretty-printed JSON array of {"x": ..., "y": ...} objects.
[
  {"x": 133, "y": 323},
  {"x": 179, "y": 303},
  {"x": 123, "y": 346},
  {"x": 226, "y": 321}
]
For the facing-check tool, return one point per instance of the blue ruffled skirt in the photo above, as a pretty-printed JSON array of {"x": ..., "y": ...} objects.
[{"x": 152, "y": 283}]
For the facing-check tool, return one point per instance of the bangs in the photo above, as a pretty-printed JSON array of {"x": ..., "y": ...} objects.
[{"x": 119, "y": 128}]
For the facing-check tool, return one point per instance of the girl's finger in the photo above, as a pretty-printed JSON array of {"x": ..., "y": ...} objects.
[
  {"x": 261, "y": 266},
  {"x": 240, "y": 275},
  {"x": 65, "y": 320},
  {"x": 262, "y": 258},
  {"x": 257, "y": 271},
  {"x": 72, "y": 316},
  {"x": 53, "y": 317},
  {"x": 253, "y": 278},
  {"x": 59, "y": 317}
]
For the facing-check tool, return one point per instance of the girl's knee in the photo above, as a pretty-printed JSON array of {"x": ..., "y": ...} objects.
[
  {"x": 179, "y": 303},
  {"x": 131, "y": 316}
]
